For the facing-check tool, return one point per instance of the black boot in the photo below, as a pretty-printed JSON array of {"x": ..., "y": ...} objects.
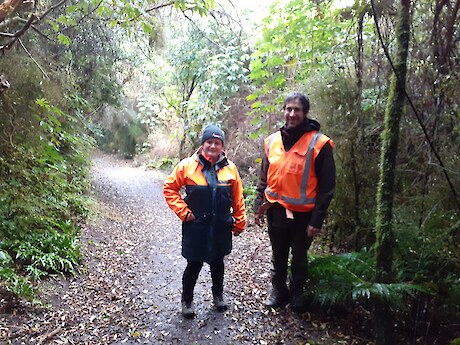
[
  {"x": 298, "y": 302},
  {"x": 187, "y": 309},
  {"x": 278, "y": 298},
  {"x": 220, "y": 303}
]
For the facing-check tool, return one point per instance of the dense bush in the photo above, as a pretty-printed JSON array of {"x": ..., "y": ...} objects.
[{"x": 42, "y": 179}]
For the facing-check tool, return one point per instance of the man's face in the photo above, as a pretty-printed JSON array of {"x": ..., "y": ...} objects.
[
  {"x": 293, "y": 113},
  {"x": 212, "y": 148}
]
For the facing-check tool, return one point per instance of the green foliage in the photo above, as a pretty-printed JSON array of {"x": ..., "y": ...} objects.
[
  {"x": 42, "y": 182},
  {"x": 95, "y": 64},
  {"x": 17, "y": 285},
  {"x": 200, "y": 6},
  {"x": 297, "y": 40},
  {"x": 347, "y": 278},
  {"x": 45, "y": 252},
  {"x": 10, "y": 280},
  {"x": 426, "y": 273},
  {"x": 164, "y": 163},
  {"x": 121, "y": 138},
  {"x": 208, "y": 68},
  {"x": 44, "y": 157},
  {"x": 249, "y": 193},
  {"x": 429, "y": 256},
  {"x": 127, "y": 13}
]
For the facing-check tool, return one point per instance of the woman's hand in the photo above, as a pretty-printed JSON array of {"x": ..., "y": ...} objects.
[
  {"x": 236, "y": 231},
  {"x": 190, "y": 217}
]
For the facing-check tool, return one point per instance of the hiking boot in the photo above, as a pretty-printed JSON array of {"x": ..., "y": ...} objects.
[
  {"x": 220, "y": 303},
  {"x": 297, "y": 303},
  {"x": 277, "y": 299},
  {"x": 187, "y": 310}
]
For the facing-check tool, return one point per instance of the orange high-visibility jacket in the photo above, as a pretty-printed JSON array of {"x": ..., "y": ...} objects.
[
  {"x": 217, "y": 210},
  {"x": 291, "y": 177}
]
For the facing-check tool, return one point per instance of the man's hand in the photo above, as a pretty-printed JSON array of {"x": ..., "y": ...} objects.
[
  {"x": 259, "y": 216},
  {"x": 259, "y": 219},
  {"x": 312, "y": 231}
]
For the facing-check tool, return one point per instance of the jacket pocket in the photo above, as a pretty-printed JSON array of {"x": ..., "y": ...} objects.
[
  {"x": 295, "y": 164},
  {"x": 195, "y": 240}
]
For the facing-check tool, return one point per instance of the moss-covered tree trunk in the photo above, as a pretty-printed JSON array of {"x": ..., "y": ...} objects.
[{"x": 384, "y": 233}]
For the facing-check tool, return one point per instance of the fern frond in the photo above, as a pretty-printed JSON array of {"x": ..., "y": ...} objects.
[{"x": 346, "y": 278}]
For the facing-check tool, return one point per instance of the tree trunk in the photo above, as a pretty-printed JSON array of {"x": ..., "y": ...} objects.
[
  {"x": 7, "y": 7},
  {"x": 383, "y": 317}
]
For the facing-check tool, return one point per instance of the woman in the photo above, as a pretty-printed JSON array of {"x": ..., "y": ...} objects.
[{"x": 212, "y": 209}]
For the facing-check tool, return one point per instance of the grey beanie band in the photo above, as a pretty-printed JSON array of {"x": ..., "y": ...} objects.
[{"x": 212, "y": 131}]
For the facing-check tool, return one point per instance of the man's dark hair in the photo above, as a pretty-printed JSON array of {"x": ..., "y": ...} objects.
[{"x": 301, "y": 97}]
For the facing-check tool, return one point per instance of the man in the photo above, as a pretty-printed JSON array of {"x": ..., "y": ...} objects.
[{"x": 297, "y": 181}]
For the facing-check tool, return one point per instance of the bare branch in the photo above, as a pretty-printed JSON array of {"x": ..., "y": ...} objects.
[
  {"x": 154, "y": 8},
  {"x": 6, "y": 34},
  {"x": 52, "y": 8},
  {"x": 33, "y": 19},
  {"x": 4, "y": 84},
  {"x": 10, "y": 21},
  {"x": 202, "y": 33},
  {"x": 79, "y": 21},
  {"x": 32, "y": 58},
  {"x": 19, "y": 33}
]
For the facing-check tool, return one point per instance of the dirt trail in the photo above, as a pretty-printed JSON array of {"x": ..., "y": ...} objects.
[{"x": 129, "y": 289}]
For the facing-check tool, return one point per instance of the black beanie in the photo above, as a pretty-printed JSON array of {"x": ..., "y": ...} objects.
[{"x": 212, "y": 131}]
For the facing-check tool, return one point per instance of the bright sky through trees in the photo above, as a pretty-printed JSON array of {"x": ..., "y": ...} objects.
[{"x": 260, "y": 7}]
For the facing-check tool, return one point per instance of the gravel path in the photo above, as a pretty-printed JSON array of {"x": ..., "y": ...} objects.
[{"x": 128, "y": 291}]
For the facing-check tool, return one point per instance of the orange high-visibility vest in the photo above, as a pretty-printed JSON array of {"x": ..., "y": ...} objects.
[{"x": 291, "y": 176}]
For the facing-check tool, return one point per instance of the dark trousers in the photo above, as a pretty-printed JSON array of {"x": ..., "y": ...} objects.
[
  {"x": 191, "y": 273},
  {"x": 288, "y": 236}
]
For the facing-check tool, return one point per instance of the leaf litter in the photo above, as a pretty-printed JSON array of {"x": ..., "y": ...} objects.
[{"x": 128, "y": 289}]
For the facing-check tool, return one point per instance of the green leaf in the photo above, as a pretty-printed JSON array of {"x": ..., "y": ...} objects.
[
  {"x": 5, "y": 258},
  {"x": 63, "y": 39}
]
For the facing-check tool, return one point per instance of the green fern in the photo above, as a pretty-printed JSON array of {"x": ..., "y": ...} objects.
[
  {"x": 46, "y": 252},
  {"x": 347, "y": 278},
  {"x": 11, "y": 281}
]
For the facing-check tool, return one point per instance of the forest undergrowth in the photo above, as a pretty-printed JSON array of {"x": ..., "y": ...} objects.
[{"x": 128, "y": 290}]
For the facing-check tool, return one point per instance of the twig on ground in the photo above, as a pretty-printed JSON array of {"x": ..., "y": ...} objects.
[{"x": 49, "y": 335}]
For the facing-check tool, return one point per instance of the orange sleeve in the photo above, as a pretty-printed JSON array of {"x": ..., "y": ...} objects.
[
  {"x": 171, "y": 191},
  {"x": 239, "y": 209}
]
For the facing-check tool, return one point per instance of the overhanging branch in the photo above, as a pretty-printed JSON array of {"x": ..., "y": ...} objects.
[{"x": 33, "y": 19}]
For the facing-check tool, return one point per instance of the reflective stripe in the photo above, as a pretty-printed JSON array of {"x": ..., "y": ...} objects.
[
  {"x": 272, "y": 194},
  {"x": 302, "y": 200},
  {"x": 271, "y": 138}
]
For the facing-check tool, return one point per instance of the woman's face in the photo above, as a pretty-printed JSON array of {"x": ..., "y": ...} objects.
[
  {"x": 293, "y": 113},
  {"x": 212, "y": 148}
]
